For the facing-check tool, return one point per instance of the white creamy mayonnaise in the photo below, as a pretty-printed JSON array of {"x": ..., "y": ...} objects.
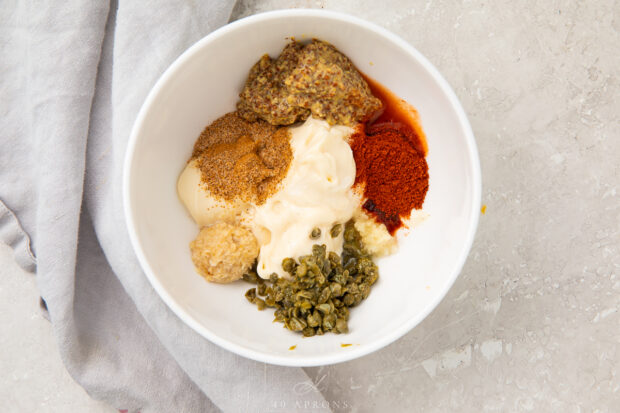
[{"x": 316, "y": 192}]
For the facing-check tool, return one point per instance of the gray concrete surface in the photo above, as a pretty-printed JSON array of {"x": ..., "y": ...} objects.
[{"x": 532, "y": 323}]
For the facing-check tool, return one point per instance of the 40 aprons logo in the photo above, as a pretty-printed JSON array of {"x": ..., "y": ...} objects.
[
  {"x": 303, "y": 390},
  {"x": 312, "y": 405},
  {"x": 308, "y": 386}
]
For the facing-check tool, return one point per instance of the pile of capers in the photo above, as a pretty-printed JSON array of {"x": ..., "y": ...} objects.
[{"x": 322, "y": 287}]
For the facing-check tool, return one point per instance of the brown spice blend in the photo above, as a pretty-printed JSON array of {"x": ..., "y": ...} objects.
[{"x": 242, "y": 160}]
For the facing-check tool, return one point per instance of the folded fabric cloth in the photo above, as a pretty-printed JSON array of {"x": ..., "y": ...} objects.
[{"x": 74, "y": 75}]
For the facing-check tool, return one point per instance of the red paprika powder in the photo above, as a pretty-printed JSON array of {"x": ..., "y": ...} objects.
[{"x": 390, "y": 164}]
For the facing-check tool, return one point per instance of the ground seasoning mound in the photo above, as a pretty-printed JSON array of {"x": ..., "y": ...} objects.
[
  {"x": 307, "y": 79},
  {"x": 242, "y": 160},
  {"x": 389, "y": 152},
  {"x": 394, "y": 176},
  {"x": 227, "y": 129}
]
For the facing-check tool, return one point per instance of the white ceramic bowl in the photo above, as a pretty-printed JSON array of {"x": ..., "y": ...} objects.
[{"x": 203, "y": 84}]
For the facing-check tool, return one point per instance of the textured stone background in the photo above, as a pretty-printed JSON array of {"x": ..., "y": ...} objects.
[{"x": 532, "y": 323}]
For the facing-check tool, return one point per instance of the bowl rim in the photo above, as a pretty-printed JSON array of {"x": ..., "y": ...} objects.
[{"x": 356, "y": 352}]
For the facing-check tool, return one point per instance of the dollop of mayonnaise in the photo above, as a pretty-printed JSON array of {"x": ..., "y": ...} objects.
[
  {"x": 204, "y": 208},
  {"x": 316, "y": 193}
]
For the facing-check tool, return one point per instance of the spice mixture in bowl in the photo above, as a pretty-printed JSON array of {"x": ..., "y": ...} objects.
[{"x": 322, "y": 173}]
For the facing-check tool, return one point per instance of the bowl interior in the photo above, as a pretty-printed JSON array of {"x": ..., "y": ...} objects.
[{"x": 202, "y": 85}]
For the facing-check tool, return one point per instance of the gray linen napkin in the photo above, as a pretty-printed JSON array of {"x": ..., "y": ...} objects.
[{"x": 73, "y": 76}]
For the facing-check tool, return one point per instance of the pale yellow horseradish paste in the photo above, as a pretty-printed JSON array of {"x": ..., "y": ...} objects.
[
  {"x": 316, "y": 193},
  {"x": 222, "y": 252}
]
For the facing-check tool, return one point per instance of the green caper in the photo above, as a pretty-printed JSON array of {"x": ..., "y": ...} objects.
[
  {"x": 348, "y": 300},
  {"x": 288, "y": 265},
  {"x": 336, "y": 289},
  {"x": 296, "y": 324},
  {"x": 250, "y": 277},
  {"x": 329, "y": 322},
  {"x": 302, "y": 269},
  {"x": 316, "y": 233},
  {"x": 323, "y": 308},
  {"x": 324, "y": 296},
  {"x": 357, "y": 298},
  {"x": 308, "y": 332},
  {"x": 364, "y": 290},
  {"x": 312, "y": 321},
  {"x": 342, "y": 326},
  {"x": 319, "y": 252},
  {"x": 340, "y": 278},
  {"x": 279, "y": 316},
  {"x": 349, "y": 234},
  {"x": 335, "y": 231},
  {"x": 314, "y": 269},
  {"x": 304, "y": 294},
  {"x": 327, "y": 267},
  {"x": 372, "y": 278},
  {"x": 251, "y": 295}
]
